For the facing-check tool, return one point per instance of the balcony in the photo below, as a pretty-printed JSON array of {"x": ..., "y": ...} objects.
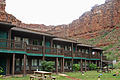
[
  {"x": 34, "y": 49},
  {"x": 37, "y": 49},
  {"x": 53, "y": 51}
]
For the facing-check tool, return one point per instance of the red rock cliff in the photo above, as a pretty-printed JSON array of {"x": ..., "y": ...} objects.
[{"x": 104, "y": 16}]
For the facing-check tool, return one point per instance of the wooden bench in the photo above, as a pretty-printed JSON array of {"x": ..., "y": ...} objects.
[
  {"x": 52, "y": 78},
  {"x": 32, "y": 77}
]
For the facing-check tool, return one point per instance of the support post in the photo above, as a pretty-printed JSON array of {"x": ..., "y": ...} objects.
[
  {"x": 8, "y": 66},
  {"x": 72, "y": 56},
  {"x": 101, "y": 61},
  {"x": 9, "y": 39},
  {"x": 63, "y": 65},
  {"x": 13, "y": 65},
  {"x": 43, "y": 48},
  {"x": 61, "y": 68},
  {"x": 85, "y": 65},
  {"x": 30, "y": 64},
  {"x": 81, "y": 65},
  {"x": 72, "y": 64},
  {"x": 96, "y": 62},
  {"x": 56, "y": 65},
  {"x": 24, "y": 70},
  {"x": 100, "y": 64}
]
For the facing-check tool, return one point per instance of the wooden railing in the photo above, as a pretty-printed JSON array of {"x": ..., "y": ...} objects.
[
  {"x": 95, "y": 56},
  {"x": 34, "y": 49},
  {"x": 20, "y": 46},
  {"x": 77, "y": 54},
  {"x": 11, "y": 45},
  {"x": 67, "y": 53},
  {"x": 104, "y": 58},
  {"x": 54, "y": 51}
]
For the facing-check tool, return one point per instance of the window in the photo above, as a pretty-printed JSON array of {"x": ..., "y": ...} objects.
[
  {"x": 58, "y": 46},
  {"x": 26, "y": 40},
  {"x": 83, "y": 50},
  {"x": 18, "y": 44},
  {"x": 17, "y": 39},
  {"x": 39, "y": 62},
  {"x": 34, "y": 62},
  {"x": 23, "y": 62},
  {"x": 87, "y": 51},
  {"x": 17, "y": 62},
  {"x": 35, "y": 42}
]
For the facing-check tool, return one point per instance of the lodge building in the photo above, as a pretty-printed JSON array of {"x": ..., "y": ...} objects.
[{"x": 22, "y": 50}]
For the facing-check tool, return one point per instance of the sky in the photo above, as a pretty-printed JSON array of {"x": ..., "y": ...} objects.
[{"x": 49, "y": 12}]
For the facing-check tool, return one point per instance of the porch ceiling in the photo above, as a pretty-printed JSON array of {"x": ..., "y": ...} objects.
[
  {"x": 64, "y": 40},
  {"x": 31, "y": 31}
]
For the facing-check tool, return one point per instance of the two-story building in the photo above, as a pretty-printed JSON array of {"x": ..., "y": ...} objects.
[{"x": 22, "y": 50}]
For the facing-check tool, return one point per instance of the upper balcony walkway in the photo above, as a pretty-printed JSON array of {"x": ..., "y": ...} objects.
[{"x": 11, "y": 46}]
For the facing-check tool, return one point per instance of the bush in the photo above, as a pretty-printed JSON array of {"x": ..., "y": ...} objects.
[
  {"x": 76, "y": 67},
  {"x": 92, "y": 66},
  {"x": 117, "y": 65},
  {"x": 47, "y": 66},
  {"x": 1, "y": 70}
]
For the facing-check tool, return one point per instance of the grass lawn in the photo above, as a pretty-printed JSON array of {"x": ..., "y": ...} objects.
[
  {"x": 89, "y": 75},
  {"x": 93, "y": 75}
]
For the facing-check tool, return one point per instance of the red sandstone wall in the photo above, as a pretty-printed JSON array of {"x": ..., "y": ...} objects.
[{"x": 104, "y": 16}]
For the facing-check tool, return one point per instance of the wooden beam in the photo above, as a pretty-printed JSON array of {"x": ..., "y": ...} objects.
[
  {"x": 9, "y": 39},
  {"x": 13, "y": 65},
  {"x": 85, "y": 65},
  {"x": 24, "y": 70},
  {"x": 61, "y": 69},
  {"x": 63, "y": 64},
  {"x": 72, "y": 64},
  {"x": 72, "y": 56},
  {"x": 43, "y": 48},
  {"x": 8, "y": 66},
  {"x": 56, "y": 65},
  {"x": 81, "y": 65},
  {"x": 96, "y": 63}
]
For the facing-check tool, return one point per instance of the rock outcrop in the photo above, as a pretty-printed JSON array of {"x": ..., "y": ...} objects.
[{"x": 91, "y": 24}]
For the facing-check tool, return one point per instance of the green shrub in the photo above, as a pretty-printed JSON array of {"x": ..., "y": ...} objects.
[
  {"x": 92, "y": 66},
  {"x": 76, "y": 67},
  {"x": 47, "y": 66},
  {"x": 117, "y": 65},
  {"x": 1, "y": 70}
]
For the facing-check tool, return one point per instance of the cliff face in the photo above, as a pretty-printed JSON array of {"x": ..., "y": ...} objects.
[
  {"x": 101, "y": 19},
  {"x": 99, "y": 27},
  {"x": 104, "y": 16}
]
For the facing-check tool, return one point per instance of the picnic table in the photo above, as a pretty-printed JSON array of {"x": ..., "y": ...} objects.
[{"x": 42, "y": 75}]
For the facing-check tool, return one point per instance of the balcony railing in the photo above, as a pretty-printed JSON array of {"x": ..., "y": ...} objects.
[
  {"x": 78, "y": 54},
  {"x": 104, "y": 58},
  {"x": 34, "y": 49},
  {"x": 67, "y": 53},
  {"x": 20, "y": 46},
  {"x": 11, "y": 45}
]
